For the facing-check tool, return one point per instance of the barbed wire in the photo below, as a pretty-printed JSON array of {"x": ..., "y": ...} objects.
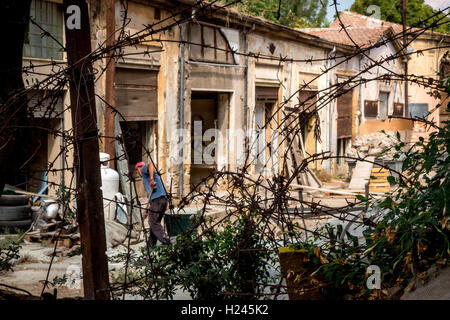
[{"x": 279, "y": 211}]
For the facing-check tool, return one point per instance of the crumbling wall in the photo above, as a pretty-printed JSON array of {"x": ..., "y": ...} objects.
[
  {"x": 289, "y": 76},
  {"x": 376, "y": 144}
]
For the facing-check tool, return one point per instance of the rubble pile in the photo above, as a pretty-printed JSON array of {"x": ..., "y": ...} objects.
[{"x": 374, "y": 144}]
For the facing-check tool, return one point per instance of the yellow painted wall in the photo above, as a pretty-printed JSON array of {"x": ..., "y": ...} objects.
[{"x": 371, "y": 126}]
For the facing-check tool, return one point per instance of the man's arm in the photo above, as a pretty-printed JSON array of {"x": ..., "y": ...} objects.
[{"x": 151, "y": 172}]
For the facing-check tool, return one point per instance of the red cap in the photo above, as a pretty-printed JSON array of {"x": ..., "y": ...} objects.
[{"x": 139, "y": 164}]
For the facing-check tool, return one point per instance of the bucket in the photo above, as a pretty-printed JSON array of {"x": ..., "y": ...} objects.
[{"x": 178, "y": 223}]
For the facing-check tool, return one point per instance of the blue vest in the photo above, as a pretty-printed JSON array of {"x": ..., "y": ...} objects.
[{"x": 159, "y": 190}]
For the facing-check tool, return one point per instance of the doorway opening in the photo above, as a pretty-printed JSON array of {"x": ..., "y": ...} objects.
[
  {"x": 209, "y": 124},
  {"x": 266, "y": 124},
  {"x": 140, "y": 142}
]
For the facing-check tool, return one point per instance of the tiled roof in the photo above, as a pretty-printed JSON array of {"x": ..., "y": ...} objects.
[
  {"x": 354, "y": 19},
  {"x": 362, "y": 29},
  {"x": 362, "y": 36}
]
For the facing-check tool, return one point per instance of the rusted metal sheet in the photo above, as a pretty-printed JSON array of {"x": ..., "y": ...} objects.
[
  {"x": 266, "y": 93},
  {"x": 136, "y": 94},
  {"x": 370, "y": 108},
  {"x": 306, "y": 103},
  {"x": 344, "y": 112}
]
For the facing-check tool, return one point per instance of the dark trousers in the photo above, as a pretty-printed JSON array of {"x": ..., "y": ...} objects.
[{"x": 157, "y": 209}]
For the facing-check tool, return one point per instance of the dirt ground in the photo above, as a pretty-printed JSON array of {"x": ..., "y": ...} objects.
[{"x": 30, "y": 270}]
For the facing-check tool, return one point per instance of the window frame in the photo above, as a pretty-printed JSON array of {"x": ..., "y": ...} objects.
[
  {"x": 366, "y": 105},
  {"x": 379, "y": 115},
  {"x": 55, "y": 52}
]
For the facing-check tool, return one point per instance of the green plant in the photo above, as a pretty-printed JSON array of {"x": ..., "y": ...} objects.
[
  {"x": 64, "y": 196},
  {"x": 216, "y": 265},
  {"x": 75, "y": 252},
  {"x": 292, "y": 13},
  {"x": 409, "y": 233},
  {"x": 9, "y": 251}
]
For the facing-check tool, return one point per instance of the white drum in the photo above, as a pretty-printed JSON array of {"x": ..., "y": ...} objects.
[{"x": 110, "y": 186}]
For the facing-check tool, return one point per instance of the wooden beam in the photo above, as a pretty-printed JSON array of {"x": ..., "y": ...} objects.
[
  {"x": 299, "y": 186},
  {"x": 89, "y": 196},
  {"x": 109, "y": 81},
  {"x": 32, "y": 194}
]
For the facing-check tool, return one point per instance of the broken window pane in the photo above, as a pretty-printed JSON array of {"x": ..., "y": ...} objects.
[
  {"x": 49, "y": 16},
  {"x": 384, "y": 103},
  {"x": 418, "y": 110}
]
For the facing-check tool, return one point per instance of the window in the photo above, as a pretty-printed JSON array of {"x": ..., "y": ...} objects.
[
  {"x": 370, "y": 108},
  {"x": 342, "y": 145},
  {"x": 48, "y": 16},
  {"x": 445, "y": 68},
  {"x": 136, "y": 93},
  {"x": 344, "y": 114},
  {"x": 418, "y": 110},
  {"x": 265, "y": 108},
  {"x": 398, "y": 109},
  {"x": 209, "y": 44},
  {"x": 384, "y": 103}
]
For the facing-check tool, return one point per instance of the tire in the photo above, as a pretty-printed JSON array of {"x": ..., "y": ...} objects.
[
  {"x": 15, "y": 213},
  {"x": 16, "y": 223},
  {"x": 13, "y": 200}
]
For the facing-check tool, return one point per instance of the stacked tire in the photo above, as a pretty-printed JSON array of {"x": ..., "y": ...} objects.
[{"x": 15, "y": 212}]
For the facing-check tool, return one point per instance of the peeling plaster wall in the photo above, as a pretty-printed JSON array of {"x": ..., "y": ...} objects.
[
  {"x": 289, "y": 76},
  {"x": 220, "y": 79},
  {"x": 369, "y": 91},
  {"x": 168, "y": 111},
  {"x": 232, "y": 81},
  {"x": 426, "y": 64},
  {"x": 54, "y": 143},
  {"x": 163, "y": 57}
]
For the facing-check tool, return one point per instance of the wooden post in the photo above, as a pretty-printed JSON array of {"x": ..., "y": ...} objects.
[
  {"x": 109, "y": 81},
  {"x": 405, "y": 59},
  {"x": 86, "y": 159}
]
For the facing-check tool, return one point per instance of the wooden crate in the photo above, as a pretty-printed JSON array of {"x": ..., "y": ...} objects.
[
  {"x": 49, "y": 238},
  {"x": 378, "y": 180}
]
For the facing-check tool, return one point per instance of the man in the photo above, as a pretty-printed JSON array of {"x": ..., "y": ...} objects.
[{"x": 158, "y": 202}]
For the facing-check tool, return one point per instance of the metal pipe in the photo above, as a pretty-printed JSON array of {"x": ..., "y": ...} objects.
[
  {"x": 329, "y": 118},
  {"x": 246, "y": 108},
  {"x": 405, "y": 58},
  {"x": 181, "y": 107},
  {"x": 109, "y": 81}
]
